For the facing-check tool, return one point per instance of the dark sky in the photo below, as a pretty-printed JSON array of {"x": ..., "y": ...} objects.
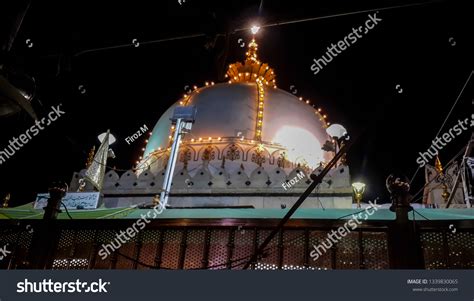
[{"x": 426, "y": 49}]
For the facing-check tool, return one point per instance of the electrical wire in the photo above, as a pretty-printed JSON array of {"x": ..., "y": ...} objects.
[
  {"x": 243, "y": 260},
  {"x": 67, "y": 211},
  {"x": 446, "y": 119},
  {"x": 450, "y": 162},
  {"x": 338, "y": 15},
  {"x": 197, "y": 35},
  {"x": 62, "y": 203},
  {"x": 207, "y": 268},
  {"x": 420, "y": 215},
  {"x": 124, "y": 170},
  {"x": 350, "y": 214}
]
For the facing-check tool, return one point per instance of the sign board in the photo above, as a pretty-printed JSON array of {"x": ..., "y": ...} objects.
[{"x": 72, "y": 200}]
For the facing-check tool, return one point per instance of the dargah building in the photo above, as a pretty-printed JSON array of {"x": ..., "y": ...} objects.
[{"x": 244, "y": 162}]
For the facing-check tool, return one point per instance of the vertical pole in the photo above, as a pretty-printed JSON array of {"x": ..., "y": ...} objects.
[
  {"x": 182, "y": 249},
  {"x": 230, "y": 248},
  {"x": 306, "y": 248},
  {"x": 171, "y": 164},
  {"x": 405, "y": 251},
  {"x": 207, "y": 245},
  {"x": 44, "y": 240},
  {"x": 280, "y": 250},
  {"x": 159, "y": 249},
  {"x": 360, "y": 242},
  {"x": 334, "y": 257}
]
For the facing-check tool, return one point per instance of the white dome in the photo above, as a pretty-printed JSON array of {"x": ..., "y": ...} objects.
[{"x": 230, "y": 110}]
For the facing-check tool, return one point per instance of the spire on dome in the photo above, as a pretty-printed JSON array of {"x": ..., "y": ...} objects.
[
  {"x": 438, "y": 166},
  {"x": 252, "y": 52},
  {"x": 252, "y": 69}
]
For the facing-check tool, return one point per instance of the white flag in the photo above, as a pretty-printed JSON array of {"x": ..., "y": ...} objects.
[{"x": 95, "y": 173}]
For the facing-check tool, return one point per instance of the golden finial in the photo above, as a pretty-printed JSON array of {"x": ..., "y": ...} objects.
[
  {"x": 438, "y": 166},
  {"x": 6, "y": 199},
  {"x": 252, "y": 69},
  {"x": 90, "y": 157},
  {"x": 252, "y": 52}
]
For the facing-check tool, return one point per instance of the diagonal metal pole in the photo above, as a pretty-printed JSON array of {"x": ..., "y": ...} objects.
[
  {"x": 317, "y": 179},
  {"x": 166, "y": 189}
]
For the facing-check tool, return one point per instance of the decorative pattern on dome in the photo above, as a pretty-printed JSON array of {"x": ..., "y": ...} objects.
[
  {"x": 252, "y": 69},
  {"x": 185, "y": 156},
  {"x": 258, "y": 157},
  {"x": 282, "y": 161},
  {"x": 209, "y": 153},
  {"x": 233, "y": 153}
]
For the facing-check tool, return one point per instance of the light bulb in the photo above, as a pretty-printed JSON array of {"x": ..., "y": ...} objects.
[{"x": 254, "y": 30}]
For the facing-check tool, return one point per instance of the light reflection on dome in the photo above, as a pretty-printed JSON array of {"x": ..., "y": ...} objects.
[{"x": 302, "y": 145}]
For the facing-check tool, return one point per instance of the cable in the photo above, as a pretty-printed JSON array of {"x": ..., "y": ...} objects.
[
  {"x": 350, "y": 214},
  {"x": 207, "y": 268},
  {"x": 421, "y": 197},
  {"x": 446, "y": 119},
  {"x": 450, "y": 162},
  {"x": 62, "y": 203},
  {"x": 196, "y": 35},
  {"x": 243, "y": 259},
  {"x": 340, "y": 15},
  {"x": 142, "y": 43},
  {"x": 420, "y": 215},
  {"x": 124, "y": 170},
  {"x": 139, "y": 262},
  {"x": 319, "y": 200}
]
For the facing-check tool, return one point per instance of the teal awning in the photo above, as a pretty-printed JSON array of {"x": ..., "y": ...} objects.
[{"x": 27, "y": 212}]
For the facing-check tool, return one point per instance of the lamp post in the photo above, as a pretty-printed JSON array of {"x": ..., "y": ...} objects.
[
  {"x": 359, "y": 189},
  {"x": 184, "y": 118},
  {"x": 406, "y": 251}
]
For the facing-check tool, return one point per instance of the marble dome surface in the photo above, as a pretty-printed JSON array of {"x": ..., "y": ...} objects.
[{"x": 230, "y": 110}]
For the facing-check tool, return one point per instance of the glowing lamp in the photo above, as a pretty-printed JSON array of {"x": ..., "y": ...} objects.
[
  {"x": 359, "y": 189},
  {"x": 336, "y": 131},
  {"x": 101, "y": 138},
  {"x": 255, "y": 29}
]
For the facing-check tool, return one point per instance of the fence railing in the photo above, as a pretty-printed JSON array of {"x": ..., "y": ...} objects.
[{"x": 229, "y": 244}]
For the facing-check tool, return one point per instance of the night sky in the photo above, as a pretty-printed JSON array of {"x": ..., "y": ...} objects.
[{"x": 426, "y": 49}]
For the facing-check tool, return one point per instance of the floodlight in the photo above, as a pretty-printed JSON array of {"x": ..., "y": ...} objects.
[
  {"x": 336, "y": 130},
  {"x": 111, "y": 138}
]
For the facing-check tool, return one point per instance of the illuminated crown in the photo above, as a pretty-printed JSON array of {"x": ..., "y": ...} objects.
[{"x": 252, "y": 69}]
